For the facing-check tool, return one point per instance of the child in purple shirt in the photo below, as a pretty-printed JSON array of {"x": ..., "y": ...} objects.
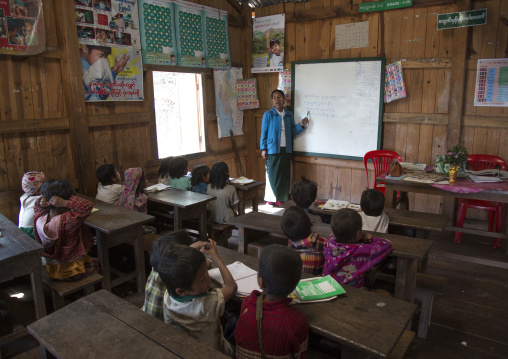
[{"x": 349, "y": 253}]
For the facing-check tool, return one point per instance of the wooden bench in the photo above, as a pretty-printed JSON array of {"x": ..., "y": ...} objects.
[
  {"x": 402, "y": 345},
  {"x": 59, "y": 289},
  {"x": 421, "y": 221},
  {"x": 254, "y": 248},
  {"x": 427, "y": 286},
  {"x": 219, "y": 232}
]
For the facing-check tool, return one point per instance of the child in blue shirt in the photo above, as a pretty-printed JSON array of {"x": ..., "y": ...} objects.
[{"x": 200, "y": 179}]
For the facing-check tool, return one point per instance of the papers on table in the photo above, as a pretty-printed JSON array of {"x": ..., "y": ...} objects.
[
  {"x": 157, "y": 188},
  {"x": 490, "y": 175},
  {"x": 246, "y": 278},
  {"x": 334, "y": 205},
  {"x": 242, "y": 181},
  {"x": 413, "y": 166},
  {"x": 484, "y": 178},
  {"x": 423, "y": 177}
]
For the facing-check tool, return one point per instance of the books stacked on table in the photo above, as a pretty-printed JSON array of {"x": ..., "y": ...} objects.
[{"x": 319, "y": 289}]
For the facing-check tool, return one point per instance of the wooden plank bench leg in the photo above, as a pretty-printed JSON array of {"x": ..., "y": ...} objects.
[{"x": 425, "y": 314}]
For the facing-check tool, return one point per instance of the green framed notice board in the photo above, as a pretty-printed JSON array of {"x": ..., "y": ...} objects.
[{"x": 344, "y": 99}]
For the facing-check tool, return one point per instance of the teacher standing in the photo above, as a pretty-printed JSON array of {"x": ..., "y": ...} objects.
[{"x": 276, "y": 144}]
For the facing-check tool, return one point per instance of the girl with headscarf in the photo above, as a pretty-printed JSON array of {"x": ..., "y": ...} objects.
[
  {"x": 31, "y": 185},
  {"x": 132, "y": 196}
]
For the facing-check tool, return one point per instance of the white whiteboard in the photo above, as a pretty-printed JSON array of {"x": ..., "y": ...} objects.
[{"x": 344, "y": 99}]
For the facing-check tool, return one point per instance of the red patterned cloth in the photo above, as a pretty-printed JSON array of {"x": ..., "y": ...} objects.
[
  {"x": 285, "y": 330},
  {"x": 74, "y": 238},
  {"x": 311, "y": 252}
]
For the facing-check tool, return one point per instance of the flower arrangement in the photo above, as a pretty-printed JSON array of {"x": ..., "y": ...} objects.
[{"x": 457, "y": 155}]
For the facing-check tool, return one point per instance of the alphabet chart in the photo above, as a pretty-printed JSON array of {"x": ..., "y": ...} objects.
[
  {"x": 395, "y": 88},
  {"x": 247, "y": 94}
]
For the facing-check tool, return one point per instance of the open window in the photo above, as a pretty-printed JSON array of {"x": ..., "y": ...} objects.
[{"x": 178, "y": 100}]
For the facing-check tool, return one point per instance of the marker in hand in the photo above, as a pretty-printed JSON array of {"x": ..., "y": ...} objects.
[{"x": 305, "y": 121}]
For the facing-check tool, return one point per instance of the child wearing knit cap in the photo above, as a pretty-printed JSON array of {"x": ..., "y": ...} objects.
[{"x": 31, "y": 185}]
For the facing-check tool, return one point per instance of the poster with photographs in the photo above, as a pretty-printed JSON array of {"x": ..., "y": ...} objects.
[
  {"x": 21, "y": 27},
  {"x": 268, "y": 44},
  {"x": 108, "y": 22},
  {"x": 157, "y": 28},
  {"x": 109, "y": 49}
]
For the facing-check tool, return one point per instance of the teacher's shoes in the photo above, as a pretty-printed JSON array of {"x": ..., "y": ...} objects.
[{"x": 274, "y": 204}]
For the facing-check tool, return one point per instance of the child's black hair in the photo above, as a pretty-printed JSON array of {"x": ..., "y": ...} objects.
[
  {"x": 304, "y": 192},
  {"x": 372, "y": 202},
  {"x": 105, "y": 173},
  {"x": 104, "y": 49},
  {"x": 178, "y": 167},
  {"x": 279, "y": 91},
  {"x": 178, "y": 266},
  {"x": 295, "y": 223},
  {"x": 164, "y": 168},
  {"x": 219, "y": 175},
  {"x": 198, "y": 173},
  {"x": 60, "y": 188},
  {"x": 346, "y": 223},
  {"x": 273, "y": 42},
  {"x": 281, "y": 269},
  {"x": 179, "y": 237}
]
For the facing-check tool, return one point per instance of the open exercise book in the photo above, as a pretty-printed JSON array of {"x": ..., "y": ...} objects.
[
  {"x": 246, "y": 278},
  {"x": 335, "y": 205},
  {"x": 157, "y": 188}
]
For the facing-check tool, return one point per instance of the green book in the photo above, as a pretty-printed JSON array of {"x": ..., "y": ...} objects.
[{"x": 318, "y": 288}]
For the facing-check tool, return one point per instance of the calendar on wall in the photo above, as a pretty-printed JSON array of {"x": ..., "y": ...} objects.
[{"x": 351, "y": 36}]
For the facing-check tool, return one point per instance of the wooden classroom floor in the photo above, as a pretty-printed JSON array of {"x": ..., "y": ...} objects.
[{"x": 470, "y": 319}]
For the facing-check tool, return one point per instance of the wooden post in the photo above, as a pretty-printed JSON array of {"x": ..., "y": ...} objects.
[{"x": 74, "y": 98}]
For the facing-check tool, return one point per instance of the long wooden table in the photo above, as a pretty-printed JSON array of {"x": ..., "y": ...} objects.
[
  {"x": 489, "y": 193},
  {"x": 19, "y": 256},
  {"x": 364, "y": 323},
  {"x": 184, "y": 204},
  {"x": 102, "y": 325},
  {"x": 115, "y": 225},
  {"x": 409, "y": 251},
  {"x": 248, "y": 192}
]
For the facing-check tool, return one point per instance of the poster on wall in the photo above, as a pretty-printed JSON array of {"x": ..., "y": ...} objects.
[
  {"x": 157, "y": 30},
  {"x": 491, "y": 83},
  {"x": 229, "y": 117},
  {"x": 109, "y": 49},
  {"x": 21, "y": 27},
  {"x": 217, "y": 38},
  {"x": 395, "y": 87},
  {"x": 247, "y": 94},
  {"x": 268, "y": 44},
  {"x": 189, "y": 24},
  {"x": 285, "y": 84}
]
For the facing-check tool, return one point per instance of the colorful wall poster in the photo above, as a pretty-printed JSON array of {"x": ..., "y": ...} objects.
[
  {"x": 247, "y": 94},
  {"x": 268, "y": 44},
  {"x": 217, "y": 38},
  {"x": 491, "y": 83},
  {"x": 111, "y": 73},
  {"x": 285, "y": 83},
  {"x": 352, "y": 36},
  {"x": 108, "y": 23},
  {"x": 157, "y": 28},
  {"x": 189, "y": 22},
  {"x": 21, "y": 27},
  {"x": 229, "y": 117},
  {"x": 395, "y": 87}
]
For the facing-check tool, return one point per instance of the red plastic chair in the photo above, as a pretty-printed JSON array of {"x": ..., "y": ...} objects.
[
  {"x": 381, "y": 160},
  {"x": 478, "y": 163}
]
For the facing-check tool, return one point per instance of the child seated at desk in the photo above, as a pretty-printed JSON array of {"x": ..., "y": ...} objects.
[
  {"x": 178, "y": 168},
  {"x": 349, "y": 253},
  {"x": 59, "y": 225},
  {"x": 200, "y": 179},
  {"x": 188, "y": 304},
  {"x": 163, "y": 172},
  {"x": 304, "y": 193},
  {"x": 110, "y": 186},
  {"x": 155, "y": 288},
  {"x": 374, "y": 218},
  {"x": 284, "y": 330},
  {"x": 298, "y": 227},
  {"x": 133, "y": 197},
  {"x": 221, "y": 208},
  {"x": 31, "y": 185}
]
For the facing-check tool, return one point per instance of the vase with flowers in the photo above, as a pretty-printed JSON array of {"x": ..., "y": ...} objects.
[{"x": 456, "y": 158}]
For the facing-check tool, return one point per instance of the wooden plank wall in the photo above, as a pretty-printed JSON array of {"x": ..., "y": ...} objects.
[
  {"x": 415, "y": 127},
  {"x": 47, "y": 126}
]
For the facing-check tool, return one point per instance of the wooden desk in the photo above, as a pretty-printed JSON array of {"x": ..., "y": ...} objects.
[
  {"x": 184, "y": 204},
  {"x": 362, "y": 322},
  {"x": 409, "y": 251},
  {"x": 19, "y": 256},
  {"x": 247, "y": 192},
  {"x": 489, "y": 193},
  {"x": 102, "y": 325},
  {"x": 115, "y": 225}
]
